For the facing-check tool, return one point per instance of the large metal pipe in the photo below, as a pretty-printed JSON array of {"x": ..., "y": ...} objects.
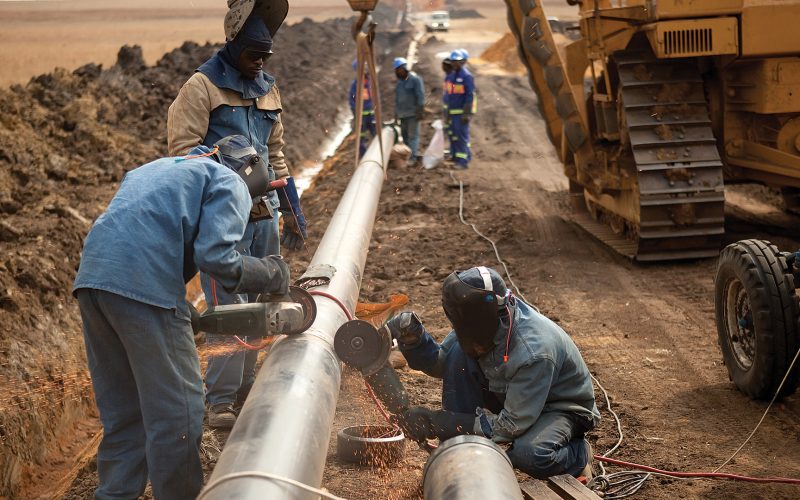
[
  {"x": 467, "y": 468},
  {"x": 285, "y": 425}
]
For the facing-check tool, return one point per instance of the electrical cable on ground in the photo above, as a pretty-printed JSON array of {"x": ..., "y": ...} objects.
[
  {"x": 265, "y": 475},
  {"x": 777, "y": 391}
]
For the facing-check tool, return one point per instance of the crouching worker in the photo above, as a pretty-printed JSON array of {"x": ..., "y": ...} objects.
[
  {"x": 168, "y": 219},
  {"x": 509, "y": 373}
]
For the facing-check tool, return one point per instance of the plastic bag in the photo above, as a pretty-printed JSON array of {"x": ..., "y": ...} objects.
[{"x": 434, "y": 154}]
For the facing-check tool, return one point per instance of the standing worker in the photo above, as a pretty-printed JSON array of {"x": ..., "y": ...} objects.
[
  {"x": 168, "y": 218},
  {"x": 409, "y": 105},
  {"x": 231, "y": 94},
  {"x": 509, "y": 373},
  {"x": 368, "y": 129},
  {"x": 461, "y": 106},
  {"x": 447, "y": 68}
]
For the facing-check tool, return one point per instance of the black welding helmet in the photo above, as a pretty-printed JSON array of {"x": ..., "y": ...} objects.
[
  {"x": 236, "y": 153},
  {"x": 472, "y": 301}
]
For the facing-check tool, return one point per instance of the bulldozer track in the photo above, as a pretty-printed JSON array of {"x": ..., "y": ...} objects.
[{"x": 679, "y": 170}]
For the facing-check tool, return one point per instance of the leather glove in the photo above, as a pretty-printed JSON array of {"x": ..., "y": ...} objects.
[
  {"x": 268, "y": 275},
  {"x": 420, "y": 113},
  {"x": 294, "y": 223},
  {"x": 416, "y": 423},
  {"x": 406, "y": 328},
  {"x": 420, "y": 423}
]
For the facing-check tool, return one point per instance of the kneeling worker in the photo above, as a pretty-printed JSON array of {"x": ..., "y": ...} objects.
[
  {"x": 168, "y": 218},
  {"x": 509, "y": 373}
]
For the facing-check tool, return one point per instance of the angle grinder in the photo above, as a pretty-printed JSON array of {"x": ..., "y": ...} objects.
[
  {"x": 271, "y": 315},
  {"x": 366, "y": 348}
]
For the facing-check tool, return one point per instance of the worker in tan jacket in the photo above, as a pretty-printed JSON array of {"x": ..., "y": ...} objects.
[{"x": 231, "y": 94}]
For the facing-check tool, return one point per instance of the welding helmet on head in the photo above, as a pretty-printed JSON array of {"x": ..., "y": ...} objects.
[
  {"x": 273, "y": 12},
  {"x": 398, "y": 62},
  {"x": 457, "y": 56},
  {"x": 236, "y": 153},
  {"x": 472, "y": 301}
]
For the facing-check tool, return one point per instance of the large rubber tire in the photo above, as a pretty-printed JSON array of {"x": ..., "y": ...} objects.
[{"x": 757, "y": 318}]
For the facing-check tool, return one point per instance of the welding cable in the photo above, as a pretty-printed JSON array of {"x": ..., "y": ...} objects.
[
  {"x": 699, "y": 475},
  {"x": 777, "y": 391},
  {"x": 336, "y": 300},
  {"x": 264, "y": 475}
]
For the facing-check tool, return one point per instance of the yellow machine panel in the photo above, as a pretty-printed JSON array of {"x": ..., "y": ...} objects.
[
  {"x": 693, "y": 8},
  {"x": 765, "y": 86},
  {"x": 771, "y": 29},
  {"x": 695, "y": 37}
]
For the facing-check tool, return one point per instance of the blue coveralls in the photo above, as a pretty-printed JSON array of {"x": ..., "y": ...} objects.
[
  {"x": 167, "y": 220},
  {"x": 229, "y": 374},
  {"x": 409, "y": 97},
  {"x": 541, "y": 400},
  {"x": 460, "y": 95},
  {"x": 368, "y": 129}
]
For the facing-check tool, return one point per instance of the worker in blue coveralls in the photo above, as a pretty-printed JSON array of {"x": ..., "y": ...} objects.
[
  {"x": 168, "y": 219},
  {"x": 509, "y": 374},
  {"x": 409, "y": 105},
  {"x": 231, "y": 94},
  {"x": 447, "y": 68},
  {"x": 368, "y": 129},
  {"x": 461, "y": 106}
]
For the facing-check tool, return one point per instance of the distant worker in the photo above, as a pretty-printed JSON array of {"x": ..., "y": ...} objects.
[
  {"x": 231, "y": 94},
  {"x": 368, "y": 129},
  {"x": 409, "y": 105},
  {"x": 461, "y": 106},
  {"x": 168, "y": 218},
  {"x": 447, "y": 68},
  {"x": 509, "y": 373}
]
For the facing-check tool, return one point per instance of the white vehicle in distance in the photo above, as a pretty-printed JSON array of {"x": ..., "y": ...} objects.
[{"x": 438, "y": 20}]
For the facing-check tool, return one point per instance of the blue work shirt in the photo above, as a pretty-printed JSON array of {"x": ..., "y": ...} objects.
[
  {"x": 460, "y": 92},
  {"x": 168, "y": 218},
  {"x": 409, "y": 96},
  {"x": 544, "y": 372},
  {"x": 366, "y": 97}
]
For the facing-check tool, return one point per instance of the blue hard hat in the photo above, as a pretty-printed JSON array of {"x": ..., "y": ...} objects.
[
  {"x": 399, "y": 61},
  {"x": 465, "y": 53},
  {"x": 457, "y": 55}
]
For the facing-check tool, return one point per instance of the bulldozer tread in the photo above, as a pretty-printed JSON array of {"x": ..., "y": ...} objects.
[
  {"x": 773, "y": 309},
  {"x": 679, "y": 170}
]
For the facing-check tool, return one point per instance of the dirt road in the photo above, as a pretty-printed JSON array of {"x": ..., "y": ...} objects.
[{"x": 646, "y": 331}]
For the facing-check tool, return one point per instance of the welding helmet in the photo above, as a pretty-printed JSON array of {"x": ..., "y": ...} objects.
[
  {"x": 457, "y": 56},
  {"x": 472, "y": 301},
  {"x": 273, "y": 12},
  {"x": 236, "y": 153},
  {"x": 399, "y": 61}
]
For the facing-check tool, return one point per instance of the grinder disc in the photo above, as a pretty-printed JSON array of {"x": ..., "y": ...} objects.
[
  {"x": 305, "y": 299},
  {"x": 361, "y": 346}
]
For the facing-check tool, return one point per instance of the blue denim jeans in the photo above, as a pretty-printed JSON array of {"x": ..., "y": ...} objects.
[
  {"x": 409, "y": 129},
  {"x": 553, "y": 445},
  {"x": 146, "y": 378},
  {"x": 235, "y": 372}
]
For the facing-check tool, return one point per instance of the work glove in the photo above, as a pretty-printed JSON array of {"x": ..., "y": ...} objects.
[
  {"x": 420, "y": 423},
  {"x": 268, "y": 275},
  {"x": 406, "y": 328},
  {"x": 420, "y": 113},
  {"x": 466, "y": 117},
  {"x": 294, "y": 222}
]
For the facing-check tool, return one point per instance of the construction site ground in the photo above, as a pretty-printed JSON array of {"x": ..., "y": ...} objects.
[{"x": 647, "y": 332}]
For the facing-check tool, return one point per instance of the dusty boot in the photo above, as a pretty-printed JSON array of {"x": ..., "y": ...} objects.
[
  {"x": 221, "y": 416},
  {"x": 586, "y": 474}
]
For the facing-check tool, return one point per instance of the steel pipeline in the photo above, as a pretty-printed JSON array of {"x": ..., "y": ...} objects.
[{"x": 285, "y": 425}]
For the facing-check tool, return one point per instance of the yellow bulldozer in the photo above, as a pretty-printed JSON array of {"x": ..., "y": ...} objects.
[{"x": 662, "y": 102}]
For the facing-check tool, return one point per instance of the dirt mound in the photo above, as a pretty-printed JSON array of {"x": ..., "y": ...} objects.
[
  {"x": 504, "y": 53},
  {"x": 68, "y": 138}
]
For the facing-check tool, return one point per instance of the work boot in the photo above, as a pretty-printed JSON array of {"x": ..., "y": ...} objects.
[
  {"x": 221, "y": 416},
  {"x": 586, "y": 474}
]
